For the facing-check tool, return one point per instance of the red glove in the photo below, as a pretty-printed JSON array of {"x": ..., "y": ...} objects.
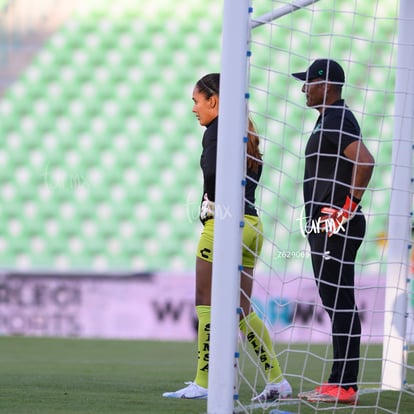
[{"x": 334, "y": 220}]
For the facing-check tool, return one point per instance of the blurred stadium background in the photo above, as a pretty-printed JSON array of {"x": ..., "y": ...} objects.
[
  {"x": 100, "y": 152},
  {"x": 100, "y": 184}
]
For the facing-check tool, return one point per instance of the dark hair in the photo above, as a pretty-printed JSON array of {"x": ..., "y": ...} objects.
[
  {"x": 254, "y": 156},
  {"x": 209, "y": 85}
]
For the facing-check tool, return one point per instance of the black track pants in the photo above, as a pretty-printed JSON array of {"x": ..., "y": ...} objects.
[{"x": 333, "y": 262}]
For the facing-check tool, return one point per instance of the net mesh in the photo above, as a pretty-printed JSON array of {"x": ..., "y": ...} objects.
[{"x": 362, "y": 37}]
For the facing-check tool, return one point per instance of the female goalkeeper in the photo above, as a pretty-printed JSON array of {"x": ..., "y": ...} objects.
[{"x": 206, "y": 109}]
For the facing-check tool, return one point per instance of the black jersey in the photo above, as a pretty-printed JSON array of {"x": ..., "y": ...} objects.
[
  {"x": 208, "y": 167},
  {"x": 328, "y": 173}
]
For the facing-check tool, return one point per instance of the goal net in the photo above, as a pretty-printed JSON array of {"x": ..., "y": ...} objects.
[{"x": 365, "y": 37}]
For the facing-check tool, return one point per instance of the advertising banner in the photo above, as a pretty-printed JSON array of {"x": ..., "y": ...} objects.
[{"x": 161, "y": 307}]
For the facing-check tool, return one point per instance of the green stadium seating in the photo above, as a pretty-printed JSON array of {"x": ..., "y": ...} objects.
[{"x": 101, "y": 151}]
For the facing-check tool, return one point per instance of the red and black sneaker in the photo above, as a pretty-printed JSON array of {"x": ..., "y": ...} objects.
[{"x": 336, "y": 394}]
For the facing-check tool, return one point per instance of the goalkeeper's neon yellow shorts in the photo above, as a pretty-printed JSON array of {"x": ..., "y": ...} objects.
[{"x": 252, "y": 241}]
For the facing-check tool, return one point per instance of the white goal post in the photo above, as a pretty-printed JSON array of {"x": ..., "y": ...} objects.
[
  {"x": 400, "y": 212},
  {"x": 229, "y": 193}
]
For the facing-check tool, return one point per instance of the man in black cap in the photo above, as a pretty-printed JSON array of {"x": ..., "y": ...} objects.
[{"x": 338, "y": 167}]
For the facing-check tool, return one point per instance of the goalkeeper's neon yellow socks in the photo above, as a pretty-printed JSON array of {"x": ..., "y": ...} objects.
[
  {"x": 203, "y": 313},
  {"x": 259, "y": 338}
]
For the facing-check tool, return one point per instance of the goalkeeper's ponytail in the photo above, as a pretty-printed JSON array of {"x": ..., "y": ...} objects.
[{"x": 254, "y": 156}]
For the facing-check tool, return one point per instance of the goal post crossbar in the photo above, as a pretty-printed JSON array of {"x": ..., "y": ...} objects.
[{"x": 280, "y": 12}]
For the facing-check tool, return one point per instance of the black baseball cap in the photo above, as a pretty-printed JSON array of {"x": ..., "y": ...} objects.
[{"x": 323, "y": 68}]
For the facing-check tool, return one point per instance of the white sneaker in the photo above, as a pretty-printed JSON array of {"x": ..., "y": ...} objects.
[
  {"x": 192, "y": 392},
  {"x": 274, "y": 391}
]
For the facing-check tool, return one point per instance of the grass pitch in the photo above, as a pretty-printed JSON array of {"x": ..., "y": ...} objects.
[{"x": 62, "y": 376}]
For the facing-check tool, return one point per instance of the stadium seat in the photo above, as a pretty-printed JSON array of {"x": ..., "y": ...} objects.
[{"x": 100, "y": 145}]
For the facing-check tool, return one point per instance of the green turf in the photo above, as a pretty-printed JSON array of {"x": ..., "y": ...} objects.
[{"x": 59, "y": 376}]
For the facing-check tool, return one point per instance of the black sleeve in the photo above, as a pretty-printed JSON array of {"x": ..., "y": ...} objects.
[{"x": 342, "y": 131}]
